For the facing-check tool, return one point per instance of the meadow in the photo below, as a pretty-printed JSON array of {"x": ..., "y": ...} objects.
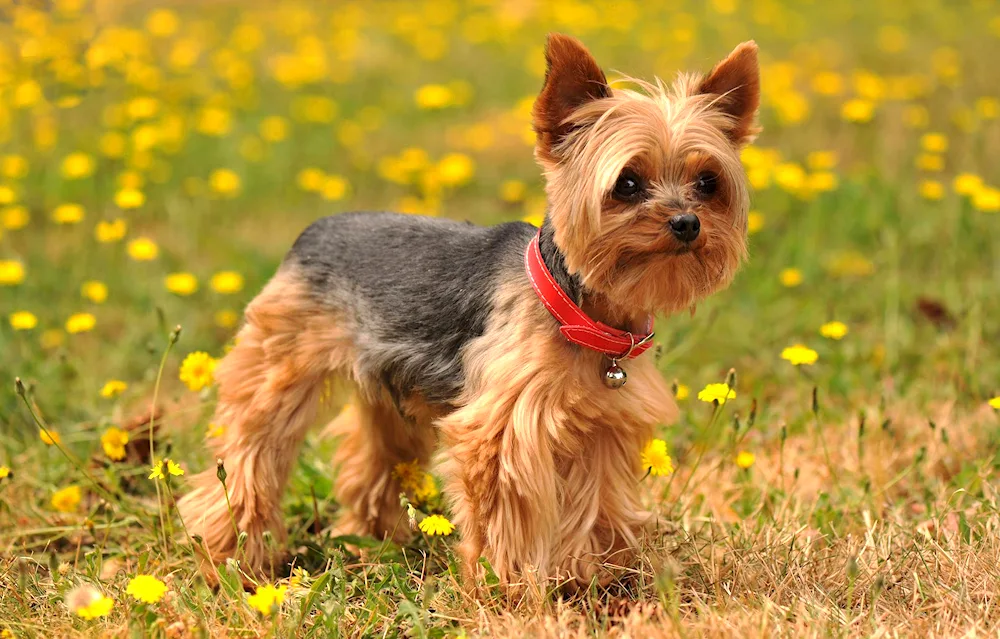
[{"x": 157, "y": 160}]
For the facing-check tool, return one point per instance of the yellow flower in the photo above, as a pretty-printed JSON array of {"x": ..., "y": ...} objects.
[
  {"x": 113, "y": 388},
  {"x": 800, "y": 355},
  {"x": 822, "y": 181},
  {"x": 416, "y": 482},
  {"x": 11, "y": 273},
  {"x": 267, "y": 599},
  {"x": 986, "y": 199},
  {"x": 310, "y": 179},
  {"x": 95, "y": 291},
  {"x": 227, "y": 282},
  {"x": 849, "y": 263},
  {"x": 226, "y": 318},
  {"x": 437, "y": 525},
  {"x": 67, "y": 214},
  {"x": 931, "y": 190},
  {"x": 52, "y": 338},
  {"x": 822, "y": 160},
  {"x": 334, "y": 188},
  {"x": 181, "y": 283},
  {"x": 828, "y": 83},
  {"x": 49, "y": 437},
  {"x": 80, "y": 323},
  {"x": 790, "y": 277},
  {"x": 934, "y": 142},
  {"x": 113, "y": 442},
  {"x": 77, "y": 165},
  {"x": 967, "y": 183},
  {"x": 745, "y": 459},
  {"x": 455, "y": 169},
  {"x": 273, "y": 128},
  {"x": 143, "y": 249},
  {"x": 156, "y": 472},
  {"x": 162, "y": 23},
  {"x": 110, "y": 231},
  {"x": 214, "y": 121},
  {"x": 512, "y": 191},
  {"x": 790, "y": 176},
  {"x": 14, "y": 167},
  {"x": 755, "y": 222},
  {"x": 833, "y": 330},
  {"x": 682, "y": 392},
  {"x": 130, "y": 198},
  {"x": 655, "y": 459},
  {"x": 146, "y": 588},
  {"x": 15, "y": 217},
  {"x": 433, "y": 96},
  {"x": 7, "y": 195},
  {"x": 215, "y": 430},
  {"x": 858, "y": 110},
  {"x": 88, "y": 603},
  {"x": 4, "y": 472},
  {"x": 67, "y": 499},
  {"x": 197, "y": 370},
  {"x": 224, "y": 182},
  {"x": 930, "y": 162},
  {"x": 716, "y": 393},
  {"x": 995, "y": 402},
  {"x": 112, "y": 144},
  {"x": 534, "y": 219},
  {"x": 23, "y": 320}
]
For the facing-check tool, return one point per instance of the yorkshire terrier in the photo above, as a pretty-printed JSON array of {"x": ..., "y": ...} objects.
[{"x": 504, "y": 350}]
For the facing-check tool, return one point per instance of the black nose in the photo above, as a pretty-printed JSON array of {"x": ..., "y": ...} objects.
[{"x": 685, "y": 227}]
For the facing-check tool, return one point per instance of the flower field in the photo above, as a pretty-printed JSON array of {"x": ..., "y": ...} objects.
[{"x": 834, "y": 467}]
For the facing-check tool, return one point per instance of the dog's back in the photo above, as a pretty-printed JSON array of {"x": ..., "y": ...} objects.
[{"x": 416, "y": 288}]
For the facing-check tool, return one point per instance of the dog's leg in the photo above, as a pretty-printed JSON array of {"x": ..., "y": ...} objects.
[
  {"x": 269, "y": 388},
  {"x": 374, "y": 437}
]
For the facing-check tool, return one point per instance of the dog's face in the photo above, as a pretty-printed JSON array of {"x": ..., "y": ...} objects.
[{"x": 647, "y": 195}]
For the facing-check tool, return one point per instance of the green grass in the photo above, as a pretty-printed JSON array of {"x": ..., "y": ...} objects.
[{"x": 873, "y": 513}]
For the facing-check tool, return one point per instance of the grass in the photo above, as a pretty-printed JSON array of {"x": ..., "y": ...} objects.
[{"x": 870, "y": 506}]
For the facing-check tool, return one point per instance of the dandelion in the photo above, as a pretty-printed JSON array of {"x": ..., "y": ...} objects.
[
  {"x": 931, "y": 190},
  {"x": 334, "y": 188},
  {"x": 23, "y": 320},
  {"x": 168, "y": 465},
  {"x": 95, "y": 291},
  {"x": 67, "y": 499},
  {"x": 267, "y": 599},
  {"x": 7, "y": 195},
  {"x": 113, "y": 442},
  {"x": 934, "y": 142},
  {"x": 197, "y": 370},
  {"x": 273, "y": 128},
  {"x": 49, "y": 437},
  {"x": 930, "y": 162},
  {"x": 986, "y": 199},
  {"x": 215, "y": 431},
  {"x": 858, "y": 110},
  {"x": 967, "y": 183},
  {"x": 455, "y": 169},
  {"x": 146, "y": 588},
  {"x": 227, "y": 282},
  {"x": 129, "y": 198},
  {"x": 437, "y": 525},
  {"x": 224, "y": 182},
  {"x": 110, "y": 231},
  {"x": 143, "y": 249},
  {"x": 67, "y": 214},
  {"x": 226, "y": 318},
  {"x": 88, "y": 602},
  {"x": 995, "y": 402},
  {"x": 310, "y": 179},
  {"x": 655, "y": 459},
  {"x": 833, "y": 330},
  {"x": 52, "y": 338},
  {"x": 182, "y": 284},
  {"x": 11, "y": 273},
  {"x": 77, "y": 165},
  {"x": 113, "y": 388},
  {"x": 14, "y": 167},
  {"x": 745, "y": 459},
  {"x": 80, "y": 323},
  {"x": 162, "y": 23},
  {"x": 716, "y": 393},
  {"x": 682, "y": 392},
  {"x": 4, "y": 472},
  {"x": 433, "y": 96},
  {"x": 13, "y": 218},
  {"x": 790, "y": 277},
  {"x": 799, "y": 355},
  {"x": 755, "y": 222}
]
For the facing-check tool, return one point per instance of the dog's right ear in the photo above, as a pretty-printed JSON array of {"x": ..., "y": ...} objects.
[{"x": 572, "y": 77}]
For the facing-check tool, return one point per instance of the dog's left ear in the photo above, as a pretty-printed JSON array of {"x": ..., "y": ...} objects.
[
  {"x": 736, "y": 80},
  {"x": 572, "y": 78}
]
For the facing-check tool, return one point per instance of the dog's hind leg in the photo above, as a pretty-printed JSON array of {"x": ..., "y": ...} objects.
[{"x": 269, "y": 388}]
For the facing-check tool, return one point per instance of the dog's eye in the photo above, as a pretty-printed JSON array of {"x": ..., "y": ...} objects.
[
  {"x": 627, "y": 186},
  {"x": 706, "y": 184}
]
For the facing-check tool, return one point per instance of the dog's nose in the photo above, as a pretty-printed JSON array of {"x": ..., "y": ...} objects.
[{"x": 685, "y": 227}]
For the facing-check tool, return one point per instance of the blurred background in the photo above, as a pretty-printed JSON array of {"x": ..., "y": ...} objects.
[{"x": 158, "y": 159}]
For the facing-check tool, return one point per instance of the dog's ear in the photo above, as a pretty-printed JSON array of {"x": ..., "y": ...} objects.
[
  {"x": 736, "y": 80},
  {"x": 572, "y": 77}
]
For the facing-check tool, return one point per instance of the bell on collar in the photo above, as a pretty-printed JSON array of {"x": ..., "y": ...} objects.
[{"x": 614, "y": 377}]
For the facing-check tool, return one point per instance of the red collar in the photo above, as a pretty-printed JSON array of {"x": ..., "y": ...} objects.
[{"x": 577, "y": 326}]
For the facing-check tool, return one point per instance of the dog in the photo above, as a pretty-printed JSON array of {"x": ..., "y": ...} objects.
[{"x": 510, "y": 356}]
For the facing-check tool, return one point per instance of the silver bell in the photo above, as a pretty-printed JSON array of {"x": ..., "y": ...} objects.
[{"x": 614, "y": 377}]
